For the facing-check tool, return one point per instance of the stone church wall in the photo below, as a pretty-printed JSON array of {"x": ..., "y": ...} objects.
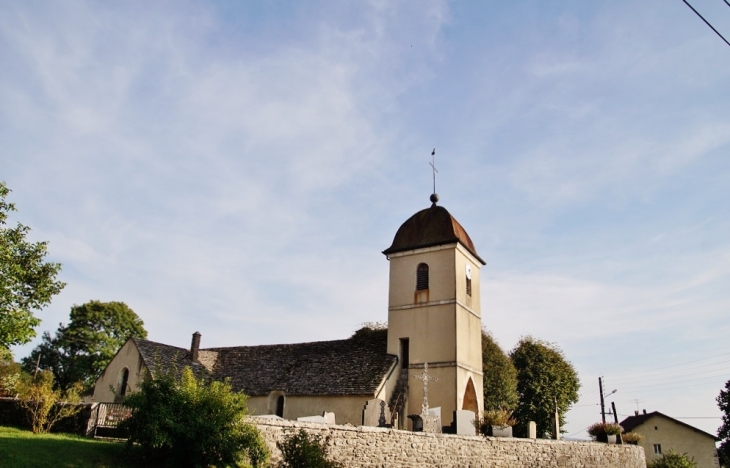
[{"x": 375, "y": 447}]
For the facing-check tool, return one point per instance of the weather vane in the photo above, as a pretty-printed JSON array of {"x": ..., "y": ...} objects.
[{"x": 434, "y": 197}]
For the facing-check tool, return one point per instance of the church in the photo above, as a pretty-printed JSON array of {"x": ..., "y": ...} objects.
[{"x": 434, "y": 332}]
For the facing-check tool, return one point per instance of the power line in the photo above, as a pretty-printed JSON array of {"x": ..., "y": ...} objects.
[
  {"x": 715, "y": 372},
  {"x": 677, "y": 365},
  {"x": 697, "y": 417},
  {"x": 670, "y": 383},
  {"x": 674, "y": 371},
  {"x": 682, "y": 417},
  {"x": 668, "y": 388},
  {"x": 707, "y": 22},
  {"x": 727, "y": 3}
]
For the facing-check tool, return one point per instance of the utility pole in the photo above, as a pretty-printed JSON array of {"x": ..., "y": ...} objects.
[
  {"x": 37, "y": 364},
  {"x": 603, "y": 406},
  {"x": 615, "y": 415}
]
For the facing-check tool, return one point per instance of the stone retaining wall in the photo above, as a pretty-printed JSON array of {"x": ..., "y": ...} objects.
[{"x": 376, "y": 447}]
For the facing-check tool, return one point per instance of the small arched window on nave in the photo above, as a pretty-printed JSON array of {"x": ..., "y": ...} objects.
[
  {"x": 280, "y": 406},
  {"x": 123, "y": 381},
  {"x": 421, "y": 277}
]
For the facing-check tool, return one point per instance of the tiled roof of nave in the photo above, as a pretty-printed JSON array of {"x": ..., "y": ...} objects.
[{"x": 355, "y": 366}]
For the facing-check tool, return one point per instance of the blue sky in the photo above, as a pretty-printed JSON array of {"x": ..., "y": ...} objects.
[{"x": 237, "y": 167}]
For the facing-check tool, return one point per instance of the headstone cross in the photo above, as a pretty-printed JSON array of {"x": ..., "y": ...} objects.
[{"x": 426, "y": 378}]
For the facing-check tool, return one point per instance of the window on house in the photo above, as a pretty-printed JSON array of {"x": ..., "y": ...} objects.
[
  {"x": 658, "y": 449},
  {"x": 123, "y": 380},
  {"x": 422, "y": 277}
]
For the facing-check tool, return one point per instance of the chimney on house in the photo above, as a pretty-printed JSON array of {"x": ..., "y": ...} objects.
[
  {"x": 636, "y": 412},
  {"x": 644, "y": 411},
  {"x": 195, "y": 346}
]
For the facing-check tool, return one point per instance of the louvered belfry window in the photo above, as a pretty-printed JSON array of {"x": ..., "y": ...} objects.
[
  {"x": 422, "y": 277},
  {"x": 468, "y": 287}
]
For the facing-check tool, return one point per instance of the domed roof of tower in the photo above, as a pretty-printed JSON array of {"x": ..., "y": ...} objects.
[{"x": 429, "y": 228}]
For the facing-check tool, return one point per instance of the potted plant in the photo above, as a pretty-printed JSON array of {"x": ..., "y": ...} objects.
[
  {"x": 605, "y": 432},
  {"x": 632, "y": 438},
  {"x": 496, "y": 423}
]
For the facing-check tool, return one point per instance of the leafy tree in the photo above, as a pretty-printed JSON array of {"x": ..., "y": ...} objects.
[
  {"x": 9, "y": 377},
  {"x": 304, "y": 450},
  {"x": 27, "y": 282},
  {"x": 82, "y": 349},
  {"x": 672, "y": 459},
  {"x": 544, "y": 378},
  {"x": 190, "y": 422},
  {"x": 500, "y": 376},
  {"x": 45, "y": 406},
  {"x": 723, "y": 401}
]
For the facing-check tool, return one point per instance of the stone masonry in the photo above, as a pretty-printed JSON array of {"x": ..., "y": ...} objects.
[{"x": 383, "y": 448}]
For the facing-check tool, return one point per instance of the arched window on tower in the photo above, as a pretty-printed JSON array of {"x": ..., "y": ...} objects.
[{"x": 422, "y": 277}]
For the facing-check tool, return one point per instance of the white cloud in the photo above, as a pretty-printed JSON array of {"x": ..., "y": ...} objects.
[{"x": 237, "y": 173}]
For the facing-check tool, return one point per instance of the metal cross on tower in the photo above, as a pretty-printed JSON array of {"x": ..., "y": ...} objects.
[
  {"x": 426, "y": 378},
  {"x": 433, "y": 166}
]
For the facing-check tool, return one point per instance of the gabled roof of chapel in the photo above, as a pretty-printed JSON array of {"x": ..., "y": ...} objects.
[
  {"x": 429, "y": 228},
  {"x": 355, "y": 366},
  {"x": 160, "y": 358}
]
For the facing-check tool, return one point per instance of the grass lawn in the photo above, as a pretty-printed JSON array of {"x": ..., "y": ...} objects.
[{"x": 22, "y": 449}]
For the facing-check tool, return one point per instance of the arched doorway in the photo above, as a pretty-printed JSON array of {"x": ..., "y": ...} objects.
[{"x": 470, "y": 398}]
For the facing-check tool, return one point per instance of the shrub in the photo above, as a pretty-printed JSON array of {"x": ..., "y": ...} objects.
[
  {"x": 602, "y": 428},
  {"x": 632, "y": 437},
  {"x": 304, "y": 450},
  {"x": 489, "y": 418},
  {"x": 191, "y": 422},
  {"x": 672, "y": 459},
  {"x": 9, "y": 377},
  {"x": 44, "y": 405}
]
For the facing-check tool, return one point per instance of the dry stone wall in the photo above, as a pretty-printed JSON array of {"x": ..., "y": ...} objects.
[{"x": 376, "y": 447}]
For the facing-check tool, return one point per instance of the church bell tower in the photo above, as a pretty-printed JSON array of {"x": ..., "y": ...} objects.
[{"x": 434, "y": 313}]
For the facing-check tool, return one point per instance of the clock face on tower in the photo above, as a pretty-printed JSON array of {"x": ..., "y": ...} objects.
[{"x": 468, "y": 271}]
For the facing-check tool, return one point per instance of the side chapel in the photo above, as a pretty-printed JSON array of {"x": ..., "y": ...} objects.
[{"x": 434, "y": 318}]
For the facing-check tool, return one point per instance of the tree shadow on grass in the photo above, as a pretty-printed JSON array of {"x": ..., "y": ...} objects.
[{"x": 23, "y": 449}]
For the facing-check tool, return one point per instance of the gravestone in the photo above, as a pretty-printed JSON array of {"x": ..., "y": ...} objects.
[
  {"x": 532, "y": 430},
  {"x": 326, "y": 418},
  {"x": 371, "y": 414},
  {"x": 313, "y": 419},
  {"x": 432, "y": 420},
  {"x": 464, "y": 422},
  {"x": 431, "y": 417}
]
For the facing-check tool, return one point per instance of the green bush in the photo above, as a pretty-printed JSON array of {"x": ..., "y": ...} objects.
[
  {"x": 304, "y": 450},
  {"x": 191, "y": 422},
  {"x": 489, "y": 418},
  {"x": 672, "y": 459},
  {"x": 601, "y": 428},
  {"x": 44, "y": 405},
  {"x": 632, "y": 437}
]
